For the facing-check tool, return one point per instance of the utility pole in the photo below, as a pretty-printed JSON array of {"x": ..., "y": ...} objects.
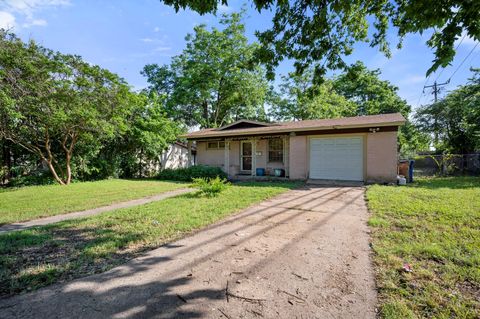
[{"x": 436, "y": 89}]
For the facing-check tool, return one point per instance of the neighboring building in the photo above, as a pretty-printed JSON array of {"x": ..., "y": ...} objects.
[
  {"x": 176, "y": 156},
  {"x": 362, "y": 148}
]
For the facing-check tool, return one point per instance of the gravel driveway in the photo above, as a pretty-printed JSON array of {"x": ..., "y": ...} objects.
[{"x": 303, "y": 254}]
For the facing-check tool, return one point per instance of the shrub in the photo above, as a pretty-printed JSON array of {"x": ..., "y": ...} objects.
[
  {"x": 210, "y": 186},
  {"x": 190, "y": 173}
]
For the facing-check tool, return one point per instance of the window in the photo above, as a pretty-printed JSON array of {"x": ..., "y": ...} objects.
[
  {"x": 215, "y": 145},
  {"x": 275, "y": 150}
]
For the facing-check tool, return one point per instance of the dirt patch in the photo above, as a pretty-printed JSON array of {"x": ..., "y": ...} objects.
[{"x": 303, "y": 254}]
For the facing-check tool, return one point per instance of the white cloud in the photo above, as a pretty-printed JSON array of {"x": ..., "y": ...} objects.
[
  {"x": 35, "y": 22},
  {"x": 224, "y": 9},
  {"x": 27, "y": 9},
  {"x": 7, "y": 20},
  {"x": 160, "y": 49},
  {"x": 147, "y": 40},
  {"x": 156, "y": 29}
]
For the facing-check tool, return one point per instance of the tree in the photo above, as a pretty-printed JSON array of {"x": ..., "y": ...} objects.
[
  {"x": 51, "y": 103},
  {"x": 323, "y": 32},
  {"x": 300, "y": 99},
  {"x": 455, "y": 120},
  {"x": 213, "y": 81},
  {"x": 371, "y": 94}
]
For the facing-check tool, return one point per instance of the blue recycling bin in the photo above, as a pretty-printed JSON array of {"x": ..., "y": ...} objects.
[
  {"x": 410, "y": 171},
  {"x": 260, "y": 171}
]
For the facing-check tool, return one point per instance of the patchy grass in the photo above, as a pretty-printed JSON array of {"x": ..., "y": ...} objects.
[
  {"x": 37, "y": 257},
  {"x": 434, "y": 225},
  {"x": 32, "y": 202}
]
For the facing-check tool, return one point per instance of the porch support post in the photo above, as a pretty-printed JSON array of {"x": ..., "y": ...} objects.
[
  {"x": 254, "y": 156},
  {"x": 286, "y": 155},
  {"x": 189, "y": 155},
  {"x": 226, "y": 154}
]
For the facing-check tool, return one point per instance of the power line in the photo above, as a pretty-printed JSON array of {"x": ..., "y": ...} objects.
[
  {"x": 456, "y": 48},
  {"x": 423, "y": 90},
  {"x": 463, "y": 61}
]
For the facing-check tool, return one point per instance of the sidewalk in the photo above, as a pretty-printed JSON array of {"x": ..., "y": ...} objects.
[{"x": 90, "y": 212}]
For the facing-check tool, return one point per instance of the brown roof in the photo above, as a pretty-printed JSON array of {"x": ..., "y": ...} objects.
[{"x": 392, "y": 119}]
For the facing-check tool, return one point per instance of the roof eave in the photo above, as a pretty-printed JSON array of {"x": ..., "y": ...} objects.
[{"x": 287, "y": 130}]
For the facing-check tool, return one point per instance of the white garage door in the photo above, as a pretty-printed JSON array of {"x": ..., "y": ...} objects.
[{"x": 336, "y": 158}]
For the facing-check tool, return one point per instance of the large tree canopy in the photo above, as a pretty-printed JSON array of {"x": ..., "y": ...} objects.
[
  {"x": 299, "y": 99},
  {"x": 51, "y": 103},
  {"x": 455, "y": 120},
  {"x": 358, "y": 91},
  {"x": 323, "y": 32},
  {"x": 213, "y": 81}
]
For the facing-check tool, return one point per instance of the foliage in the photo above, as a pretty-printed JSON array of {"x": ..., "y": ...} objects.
[
  {"x": 371, "y": 94},
  {"x": 210, "y": 186},
  {"x": 300, "y": 99},
  {"x": 51, "y": 103},
  {"x": 77, "y": 119},
  {"x": 439, "y": 237},
  {"x": 358, "y": 91},
  {"x": 313, "y": 31},
  {"x": 213, "y": 81},
  {"x": 26, "y": 203},
  {"x": 98, "y": 243},
  {"x": 455, "y": 120},
  {"x": 187, "y": 174}
]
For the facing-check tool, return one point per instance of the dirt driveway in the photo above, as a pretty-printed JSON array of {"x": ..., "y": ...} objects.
[{"x": 303, "y": 254}]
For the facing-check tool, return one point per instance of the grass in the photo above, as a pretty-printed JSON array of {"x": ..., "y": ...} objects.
[
  {"x": 434, "y": 225},
  {"x": 40, "y": 201},
  {"x": 37, "y": 257}
]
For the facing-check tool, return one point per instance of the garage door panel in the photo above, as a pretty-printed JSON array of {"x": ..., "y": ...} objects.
[{"x": 338, "y": 158}]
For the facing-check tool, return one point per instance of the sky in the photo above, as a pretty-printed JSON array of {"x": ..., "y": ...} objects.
[{"x": 125, "y": 35}]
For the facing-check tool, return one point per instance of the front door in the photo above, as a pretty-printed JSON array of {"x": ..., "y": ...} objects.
[{"x": 246, "y": 156}]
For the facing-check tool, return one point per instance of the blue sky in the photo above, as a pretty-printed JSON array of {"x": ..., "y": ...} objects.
[{"x": 124, "y": 35}]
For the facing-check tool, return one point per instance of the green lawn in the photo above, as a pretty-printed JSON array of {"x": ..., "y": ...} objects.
[
  {"x": 40, "y": 201},
  {"x": 37, "y": 257},
  {"x": 434, "y": 225}
]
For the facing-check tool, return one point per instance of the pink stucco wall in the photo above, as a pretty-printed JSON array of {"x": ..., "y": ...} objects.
[
  {"x": 298, "y": 157},
  {"x": 381, "y": 157}
]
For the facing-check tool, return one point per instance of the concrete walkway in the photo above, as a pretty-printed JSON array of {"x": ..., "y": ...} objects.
[
  {"x": 91, "y": 212},
  {"x": 303, "y": 254}
]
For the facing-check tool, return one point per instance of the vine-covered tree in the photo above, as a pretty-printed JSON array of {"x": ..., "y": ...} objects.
[
  {"x": 324, "y": 32},
  {"x": 213, "y": 81}
]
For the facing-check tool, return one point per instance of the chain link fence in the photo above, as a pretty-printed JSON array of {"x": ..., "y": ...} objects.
[{"x": 447, "y": 164}]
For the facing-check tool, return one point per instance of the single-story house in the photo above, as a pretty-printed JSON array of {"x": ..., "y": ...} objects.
[{"x": 362, "y": 148}]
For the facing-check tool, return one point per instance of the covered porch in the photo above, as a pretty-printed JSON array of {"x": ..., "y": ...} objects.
[{"x": 259, "y": 157}]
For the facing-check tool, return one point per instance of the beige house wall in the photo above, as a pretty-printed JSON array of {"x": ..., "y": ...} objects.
[
  {"x": 209, "y": 157},
  {"x": 381, "y": 157},
  {"x": 298, "y": 157}
]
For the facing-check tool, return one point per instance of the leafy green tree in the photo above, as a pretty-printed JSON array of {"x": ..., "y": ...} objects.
[
  {"x": 51, "y": 103},
  {"x": 454, "y": 120},
  {"x": 371, "y": 94},
  {"x": 300, "y": 99},
  {"x": 313, "y": 31},
  {"x": 213, "y": 81}
]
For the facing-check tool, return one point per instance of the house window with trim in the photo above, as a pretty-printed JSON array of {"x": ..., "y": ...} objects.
[
  {"x": 275, "y": 150},
  {"x": 216, "y": 145}
]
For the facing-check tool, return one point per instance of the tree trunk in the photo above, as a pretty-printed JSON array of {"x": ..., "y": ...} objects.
[{"x": 54, "y": 172}]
